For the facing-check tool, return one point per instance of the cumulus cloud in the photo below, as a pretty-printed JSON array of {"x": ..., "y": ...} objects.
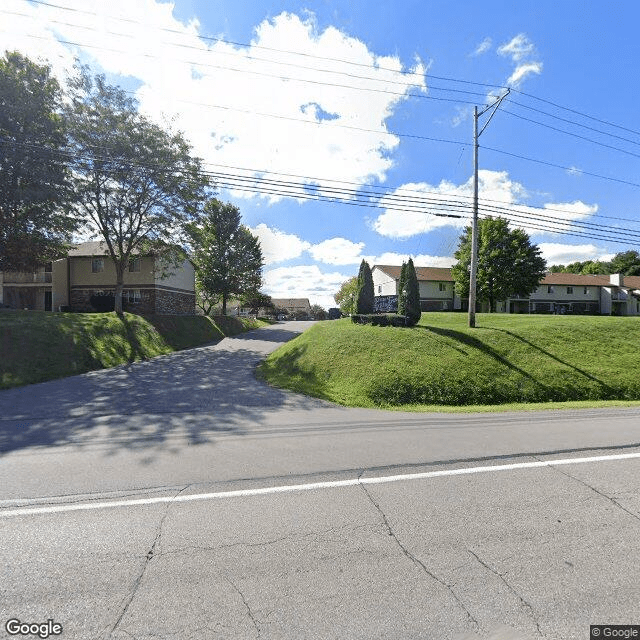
[
  {"x": 557, "y": 253},
  {"x": 499, "y": 196},
  {"x": 278, "y": 246},
  {"x": 217, "y": 90},
  {"x": 517, "y": 48},
  {"x": 421, "y": 260},
  {"x": 483, "y": 47},
  {"x": 305, "y": 281},
  {"x": 337, "y": 251},
  {"x": 523, "y": 54},
  {"x": 522, "y": 71}
]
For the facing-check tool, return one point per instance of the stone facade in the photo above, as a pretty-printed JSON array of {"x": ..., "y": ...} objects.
[{"x": 179, "y": 303}]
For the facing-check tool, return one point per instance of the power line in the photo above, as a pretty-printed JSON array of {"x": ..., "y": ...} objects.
[
  {"x": 569, "y": 133},
  {"x": 387, "y": 193},
  {"x": 258, "y": 73},
  {"x": 286, "y": 51},
  {"x": 344, "y": 61},
  {"x": 559, "y": 166}
]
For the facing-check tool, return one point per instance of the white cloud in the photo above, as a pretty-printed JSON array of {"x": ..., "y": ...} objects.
[
  {"x": 499, "y": 196},
  {"x": 517, "y": 48},
  {"x": 337, "y": 251},
  {"x": 278, "y": 246},
  {"x": 216, "y": 89},
  {"x": 574, "y": 171},
  {"x": 522, "y": 71},
  {"x": 523, "y": 54},
  {"x": 483, "y": 47},
  {"x": 557, "y": 253},
  {"x": 422, "y": 260},
  {"x": 306, "y": 281}
]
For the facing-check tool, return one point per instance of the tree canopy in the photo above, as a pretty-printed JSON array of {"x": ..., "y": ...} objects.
[
  {"x": 137, "y": 184},
  {"x": 410, "y": 293},
  {"x": 346, "y": 296},
  {"x": 626, "y": 262},
  {"x": 35, "y": 225},
  {"x": 227, "y": 257},
  {"x": 508, "y": 264},
  {"x": 364, "y": 292}
]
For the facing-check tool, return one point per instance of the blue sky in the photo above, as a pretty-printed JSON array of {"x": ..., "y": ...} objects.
[{"x": 288, "y": 101}]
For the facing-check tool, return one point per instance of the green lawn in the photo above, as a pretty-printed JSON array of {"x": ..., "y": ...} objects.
[
  {"x": 37, "y": 346},
  {"x": 507, "y": 360}
]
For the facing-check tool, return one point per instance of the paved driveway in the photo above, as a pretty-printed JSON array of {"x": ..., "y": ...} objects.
[{"x": 216, "y": 380}]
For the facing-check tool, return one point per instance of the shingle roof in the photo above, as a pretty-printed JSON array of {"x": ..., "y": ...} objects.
[
  {"x": 585, "y": 280},
  {"x": 291, "y": 303},
  {"x": 95, "y": 248},
  {"x": 442, "y": 274}
]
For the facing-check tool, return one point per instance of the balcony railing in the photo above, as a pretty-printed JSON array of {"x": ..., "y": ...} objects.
[{"x": 21, "y": 277}]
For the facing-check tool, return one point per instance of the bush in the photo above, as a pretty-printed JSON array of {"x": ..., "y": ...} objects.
[{"x": 380, "y": 320}]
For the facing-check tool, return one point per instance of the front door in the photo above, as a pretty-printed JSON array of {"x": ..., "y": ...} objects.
[{"x": 47, "y": 300}]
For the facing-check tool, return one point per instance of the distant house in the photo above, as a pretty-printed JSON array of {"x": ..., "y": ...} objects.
[
  {"x": 436, "y": 286},
  {"x": 558, "y": 293},
  {"x": 69, "y": 283},
  {"x": 293, "y": 305}
]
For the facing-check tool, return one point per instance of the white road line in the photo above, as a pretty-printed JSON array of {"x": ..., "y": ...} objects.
[{"x": 333, "y": 484}]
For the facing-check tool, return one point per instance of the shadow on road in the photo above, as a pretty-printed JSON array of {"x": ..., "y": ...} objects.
[{"x": 193, "y": 394}]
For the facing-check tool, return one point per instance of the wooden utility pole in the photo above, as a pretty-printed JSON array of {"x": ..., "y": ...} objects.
[{"x": 473, "y": 275}]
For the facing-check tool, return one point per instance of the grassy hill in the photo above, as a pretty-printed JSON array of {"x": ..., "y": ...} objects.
[
  {"x": 37, "y": 346},
  {"x": 441, "y": 362}
]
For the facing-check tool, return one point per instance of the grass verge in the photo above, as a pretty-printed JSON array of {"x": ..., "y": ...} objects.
[
  {"x": 507, "y": 360},
  {"x": 36, "y": 346}
]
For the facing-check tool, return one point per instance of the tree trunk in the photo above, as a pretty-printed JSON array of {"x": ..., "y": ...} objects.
[
  {"x": 119, "y": 288},
  {"x": 224, "y": 303}
]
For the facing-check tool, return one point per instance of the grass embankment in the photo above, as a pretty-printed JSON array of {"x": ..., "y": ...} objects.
[
  {"x": 441, "y": 362},
  {"x": 37, "y": 346}
]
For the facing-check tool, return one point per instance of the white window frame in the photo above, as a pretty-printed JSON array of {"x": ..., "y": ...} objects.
[
  {"x": 97, "y": 265},
  {"x": 442, "y": 286},
  {"x": 569, "y": 290},
  {"x": 550, "y": 289},
  {"x": 134, "y": 265}
]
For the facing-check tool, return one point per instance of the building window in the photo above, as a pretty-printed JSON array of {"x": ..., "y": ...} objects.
[
  {"x": 379, "y": 288},
  {"x": 550, "y": 288},
  {"x": 97, "y": 265},
  {"x": 569, "y": 289},
  {"x": 586, "y": 291},
  {"x": 132, "y": 295},
  {"x": 443, "y": 286},
  {"x": 134, "y": 265}
]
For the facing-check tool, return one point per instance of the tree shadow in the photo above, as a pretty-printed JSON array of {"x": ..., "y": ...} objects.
[
  {"x": 193, "y": 395},
  {"x": 582, "y": 372},
  {"x": 475, "y": 343}
]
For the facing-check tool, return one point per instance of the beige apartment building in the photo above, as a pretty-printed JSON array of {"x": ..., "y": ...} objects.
[{"x": 70, "y": 283}]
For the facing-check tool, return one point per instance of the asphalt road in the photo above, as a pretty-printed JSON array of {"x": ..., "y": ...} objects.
[{"x": 181, "y": 498}]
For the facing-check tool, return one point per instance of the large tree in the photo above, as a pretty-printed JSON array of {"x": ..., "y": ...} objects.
[
  {"x": 508, "y": 264},
  {"x": 365, "y": 293},
  {"x": 34, "y": 178},
  {"x": 227, "y": 256},
  {"x": 627, "y": 263},
  {"x": 138, "y": 185},
  {"x": 346, "y": 296}
]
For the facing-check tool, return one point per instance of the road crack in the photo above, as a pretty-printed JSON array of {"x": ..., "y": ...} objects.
[
  {"x": 416, "y": 561},
  {"x": 148, "y": 557},
  {"x": 600, "y": 493},
  {"x": 246, "y": 606},
  {"x": 524, "y": 603}
]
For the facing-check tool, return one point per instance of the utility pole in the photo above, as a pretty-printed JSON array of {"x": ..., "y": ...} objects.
[{"x": 473, "y": 275}]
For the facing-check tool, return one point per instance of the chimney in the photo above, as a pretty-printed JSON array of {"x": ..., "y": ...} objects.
[{"x": 616, "y": 279}]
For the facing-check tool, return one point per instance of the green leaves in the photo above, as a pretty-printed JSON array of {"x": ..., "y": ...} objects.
[
  {"x": 227, "y": 257},
  {"x": 35, "y": 194},
  {"x": 508, "y": 264}
]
